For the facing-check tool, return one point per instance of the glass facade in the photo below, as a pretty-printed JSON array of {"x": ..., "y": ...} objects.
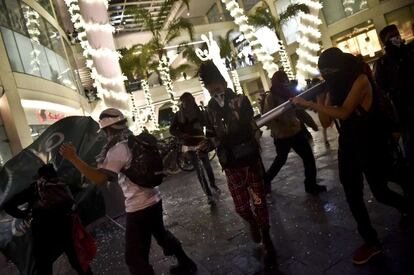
[
  {"x": 334, "y": 10},
  {"x": 248, "y": 4},
  {"x": 404, "y": 19},
  {"x": 33, "y": 45}
]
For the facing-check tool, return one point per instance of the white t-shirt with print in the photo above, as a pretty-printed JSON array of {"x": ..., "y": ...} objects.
[{"x": 136, "y": 197}]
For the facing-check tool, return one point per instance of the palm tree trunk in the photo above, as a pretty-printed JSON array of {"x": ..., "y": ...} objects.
[
  {"x": 150, "y": 104},
  {"x": 164, "y": 70},
  {"x": 285, "y": 60},
  {"x": 236, "y": 82}
]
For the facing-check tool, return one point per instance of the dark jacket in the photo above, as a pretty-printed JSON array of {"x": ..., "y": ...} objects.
[
  {"x": 52, "y": 200},
  {"x": 394, "y": 74},
  {"x": 182, "y": 126},
  {"x": 232, "y": 130}
]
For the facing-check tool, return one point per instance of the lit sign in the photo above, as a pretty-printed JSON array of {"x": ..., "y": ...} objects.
[{"x": 46, "y": 116}]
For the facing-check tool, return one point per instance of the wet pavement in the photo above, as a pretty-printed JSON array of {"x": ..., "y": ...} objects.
[{"x": 312, "y": 235}]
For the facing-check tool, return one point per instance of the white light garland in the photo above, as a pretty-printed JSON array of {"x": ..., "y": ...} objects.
[
  {"x": 348, "y": 6},
  {"x": 32, "y": 24},
  {"x": 134, "y": 113},
  {"x": 236, "y": 82},
  {"x": 100, "y": 81},
  {"x": 148, "y": 99},
  {"x": 164, "y": 70},
  {"x": 242, "y": 21},
  {"x": 308, "y": 39}
]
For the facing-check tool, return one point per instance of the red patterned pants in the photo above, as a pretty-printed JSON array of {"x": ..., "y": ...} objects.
[{"x": 246, "y": 187}]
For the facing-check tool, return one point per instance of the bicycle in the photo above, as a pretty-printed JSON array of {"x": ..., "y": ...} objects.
[{"x": 175, "y": 158}]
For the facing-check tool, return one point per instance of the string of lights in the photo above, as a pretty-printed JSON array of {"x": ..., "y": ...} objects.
[
  {"x": 164, "y": 70},
  {"x": 148, "y": 100},
  {"x": 308, "y": 37}
]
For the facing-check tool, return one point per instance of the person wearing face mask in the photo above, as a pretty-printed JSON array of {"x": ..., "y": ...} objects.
[
  {"x": 354, "y": 102},
  {"x": 394, "y": 75},
  {"x": 231, "y": 129},
  {"x": 287, "y": 133},
  {"x": 187, "y": 125},
  {"x": 144, "y": 212},
  {"x": 49, "y": 208}
]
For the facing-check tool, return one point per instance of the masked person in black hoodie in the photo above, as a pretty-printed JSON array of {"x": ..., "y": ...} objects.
[
  {"x": 354, "y": 102},
  {"x": 50, "y": 207},
  {"x": 394, "y": 74},
  {"x": 231, "y": 129},
  {"x": 187, "y": 125}
]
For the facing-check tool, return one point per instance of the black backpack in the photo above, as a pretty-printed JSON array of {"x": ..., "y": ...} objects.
[{"x": 146, "y": 168}]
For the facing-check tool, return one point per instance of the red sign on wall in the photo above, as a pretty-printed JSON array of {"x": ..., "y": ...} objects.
[{"x": 46, "y": 116}]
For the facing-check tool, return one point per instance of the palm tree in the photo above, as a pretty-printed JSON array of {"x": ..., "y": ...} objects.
[
  {"x": 163, "y": 35},
  {"x": 137, "y": 62},
  {"x": 263, "y": 18}
]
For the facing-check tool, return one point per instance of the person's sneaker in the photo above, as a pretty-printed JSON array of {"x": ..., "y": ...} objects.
[
  {"x": 255, "y": 233},
  {"x": 406, "y": 223},
  {"x": 315, "y": 189},
  {"x": 187, "y": 268},
  {"x": 365, "y": 253}
]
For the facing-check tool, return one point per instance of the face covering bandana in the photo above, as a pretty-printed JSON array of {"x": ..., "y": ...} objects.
[
  {"x": 219, "y": 99},
  {"x": 397, "y": 41}
]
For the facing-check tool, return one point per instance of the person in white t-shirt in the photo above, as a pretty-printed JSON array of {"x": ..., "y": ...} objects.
[{"x": 143, "y": 205}]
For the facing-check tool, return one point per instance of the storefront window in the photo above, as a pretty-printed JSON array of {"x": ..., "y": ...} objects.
[
  {"x": 334, "y": 10},
  {"x": 360, "y": 41},
  {"x": 39, "y": 51},
  {"x": 404, "y": 19}
]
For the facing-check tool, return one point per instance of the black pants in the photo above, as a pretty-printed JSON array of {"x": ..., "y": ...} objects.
[
  {"x": 200, "y": 167},
  {"x": 52, "y": 237},
  {"x": 301, "y": 145},
  {"x": 140, "y": 226},
  {"x": 374, "y": 165}
]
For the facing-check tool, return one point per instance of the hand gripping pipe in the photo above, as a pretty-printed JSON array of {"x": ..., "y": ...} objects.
[{"x": 274, "y": 113}]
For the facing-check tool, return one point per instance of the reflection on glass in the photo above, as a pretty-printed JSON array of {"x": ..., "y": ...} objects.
[
  {"x": 15, "y": 15},
  {"x": 403, "y": 18},
  {"x": 334, "y": 10},
  {"x": 46, "y": 5},
  {"x": 12, "y": 51}
]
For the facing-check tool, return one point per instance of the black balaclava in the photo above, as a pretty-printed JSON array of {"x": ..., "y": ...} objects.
[{"x": 339, "y": 70}]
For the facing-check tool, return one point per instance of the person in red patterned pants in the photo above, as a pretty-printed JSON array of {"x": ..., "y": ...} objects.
[{"x": 230, "y": 129}]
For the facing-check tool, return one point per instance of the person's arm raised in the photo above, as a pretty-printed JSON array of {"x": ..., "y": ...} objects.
[
  {"x": 359, "y": 90},
  {"x": 91, "y": 173}
]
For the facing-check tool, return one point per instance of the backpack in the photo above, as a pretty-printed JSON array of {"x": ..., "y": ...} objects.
[{"x": 146, "y": 168}]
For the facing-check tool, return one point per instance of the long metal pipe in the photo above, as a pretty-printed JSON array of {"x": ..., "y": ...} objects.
[{"x": 275, "y": 112}]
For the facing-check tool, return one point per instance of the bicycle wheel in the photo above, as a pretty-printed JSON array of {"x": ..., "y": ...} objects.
[{"x": 184, "y": 162}]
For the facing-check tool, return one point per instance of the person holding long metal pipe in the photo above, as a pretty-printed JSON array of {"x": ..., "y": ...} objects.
[
  {"x": 287, "y": 133},
  {"x": 354, "y": 102}
]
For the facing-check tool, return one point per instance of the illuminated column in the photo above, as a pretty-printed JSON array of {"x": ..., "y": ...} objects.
[
  {"x": 308, "y": 39},
  {"x": 241, "y": 20},
  {"x": 105, "y": 70}
]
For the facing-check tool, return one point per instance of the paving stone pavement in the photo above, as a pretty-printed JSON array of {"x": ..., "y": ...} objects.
[{"x": 312, "y": 235}]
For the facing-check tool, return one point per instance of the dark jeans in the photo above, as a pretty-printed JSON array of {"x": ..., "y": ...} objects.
[
  {"x": 301, "y": 145},
  {"x": 51, "y": 238},
  {"x": 140, "y": 226},
  {"x": 201, "y": 168},
  {"x": 374, "y": 165}
]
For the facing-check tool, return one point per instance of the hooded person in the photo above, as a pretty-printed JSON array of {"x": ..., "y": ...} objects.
[
  {"x": 354, "y": 102},
  {"x": 287, "y": 133},
  {"x": 187, "y": 125},
  {"x": 143, "y": 205},
  {"x": 231, "y": 129},
  {"x": 49, "y": 211},
  {"x": 394, "y": 75}
]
